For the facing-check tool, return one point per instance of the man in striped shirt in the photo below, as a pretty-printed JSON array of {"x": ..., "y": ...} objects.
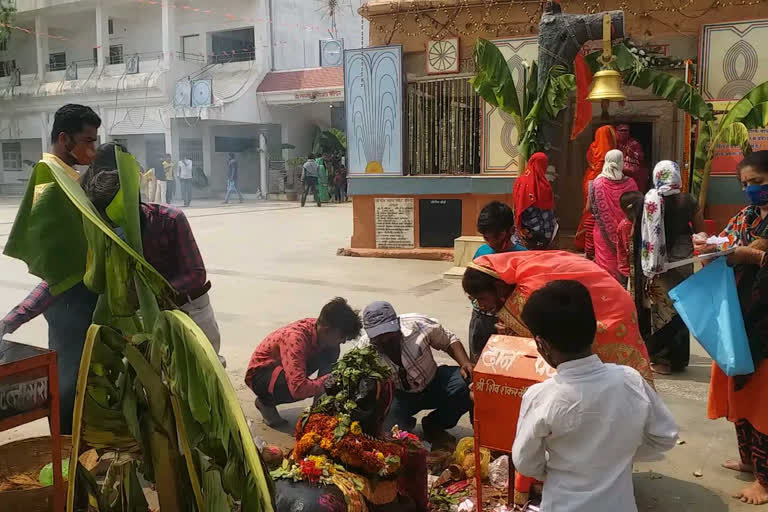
[{"x": 405, "y": 343}]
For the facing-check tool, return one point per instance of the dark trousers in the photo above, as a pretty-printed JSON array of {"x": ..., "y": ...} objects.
[
  {"x": 281, "y": 394},
  {"x": 68, "y": 321},
  {"x": 310, "y": 185},
  {"x": 481, "y": 328},
  {"x": 170, "y": 190},
  {"x": 186, "y": 191},
  {"x": 671, "y": 345},
  {"x": 447, "y": 394},
  {"x": 753, "y": 447}
]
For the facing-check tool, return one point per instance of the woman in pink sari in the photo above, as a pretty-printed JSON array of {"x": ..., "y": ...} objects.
[{"x": 603, "y": 200}]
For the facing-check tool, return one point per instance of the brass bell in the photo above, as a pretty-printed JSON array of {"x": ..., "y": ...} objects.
[{"x": 606, "y": 86}]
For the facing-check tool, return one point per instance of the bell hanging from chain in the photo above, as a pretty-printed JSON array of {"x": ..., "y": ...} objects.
[{"x": 606, "y": 86}]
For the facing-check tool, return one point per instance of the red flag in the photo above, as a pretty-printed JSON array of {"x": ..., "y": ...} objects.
[{"x": 583, "y": 107}]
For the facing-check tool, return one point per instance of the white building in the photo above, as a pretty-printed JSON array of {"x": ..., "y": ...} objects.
[{"x": 192, "y": 78}]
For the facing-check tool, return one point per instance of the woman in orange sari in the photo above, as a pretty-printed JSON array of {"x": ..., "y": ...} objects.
[
  {"x": 605, "y": 140},
  {"x": 501, "y": 283}
]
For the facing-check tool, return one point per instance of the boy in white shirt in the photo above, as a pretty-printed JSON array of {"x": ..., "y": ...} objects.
[{"x": 580, "y": 430}]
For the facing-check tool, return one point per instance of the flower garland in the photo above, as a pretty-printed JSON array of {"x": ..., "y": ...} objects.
[{"x": 354, "y": 449}]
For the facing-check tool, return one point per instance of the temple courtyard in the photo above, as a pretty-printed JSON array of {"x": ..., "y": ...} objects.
[{"x": 272, "y": 263}]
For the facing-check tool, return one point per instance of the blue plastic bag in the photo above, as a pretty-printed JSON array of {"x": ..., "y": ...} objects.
[{"x": 709, "y": 305}]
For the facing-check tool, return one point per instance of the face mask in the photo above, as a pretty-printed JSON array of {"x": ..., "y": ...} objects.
[
  {"x": 83, "y": 153},
  {"x": 757, "y": 194}
]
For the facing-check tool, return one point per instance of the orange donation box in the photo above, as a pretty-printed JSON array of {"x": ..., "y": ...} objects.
[{"x": 507, "y": 367}]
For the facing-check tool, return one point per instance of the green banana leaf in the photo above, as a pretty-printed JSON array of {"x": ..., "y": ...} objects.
[
  {"x": 46, "y": 223},
  {"x": 212, "y": 414},
  {"x": 493, "y": 81},
  {"x": 750, "y": 112}
]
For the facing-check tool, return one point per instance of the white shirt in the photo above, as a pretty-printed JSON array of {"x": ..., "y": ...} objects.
[
  {"x": 421, "y": 334},
  {"x": 185, "y": 169},
  {"x": 580, "y": 431}
]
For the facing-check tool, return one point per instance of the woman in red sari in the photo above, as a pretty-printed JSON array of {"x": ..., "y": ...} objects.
[
  {"x": 535, "y": 205},
  {"x": 605, "y": 140},
  {"x": 502, "y": 283}
]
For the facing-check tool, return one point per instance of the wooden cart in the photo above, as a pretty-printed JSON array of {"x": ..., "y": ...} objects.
[{"x": 29, "y": 390}]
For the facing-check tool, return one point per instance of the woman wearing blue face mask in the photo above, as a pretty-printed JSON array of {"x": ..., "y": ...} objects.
[{"x": 742, "y": 399}]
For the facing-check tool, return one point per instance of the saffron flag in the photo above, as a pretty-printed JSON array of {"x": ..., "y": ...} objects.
[{"x": 583, "y": 115}]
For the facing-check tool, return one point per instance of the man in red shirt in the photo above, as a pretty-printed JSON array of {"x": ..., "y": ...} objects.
[{"x": 280, "y": 367}]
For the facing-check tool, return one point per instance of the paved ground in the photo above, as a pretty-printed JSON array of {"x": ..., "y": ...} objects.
[{"x": 272, "y": 263}]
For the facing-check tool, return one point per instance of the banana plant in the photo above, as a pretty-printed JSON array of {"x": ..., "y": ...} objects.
[
  {"x": 540, "y": 102},
  {"x": 151, "y": 390},
  {"x": 731, "y": 129}
]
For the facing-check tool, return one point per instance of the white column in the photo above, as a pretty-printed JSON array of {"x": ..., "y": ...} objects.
[
  {"x": 45, "y": 133},
  {"x": 41, "y": 43},
  {"x": 263, "y": 162},
  {"x": 205, "y": 133},
  {"x": 103, "y": 135},
  {"x": 102, "y": 35},
  {"x": 169, "y": 34}
]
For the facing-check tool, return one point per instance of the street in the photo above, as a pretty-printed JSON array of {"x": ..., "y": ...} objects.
[{"x": 272, "y": 263}]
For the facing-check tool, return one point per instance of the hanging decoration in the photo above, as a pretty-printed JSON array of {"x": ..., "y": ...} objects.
[{"x": 496, "y": 18}]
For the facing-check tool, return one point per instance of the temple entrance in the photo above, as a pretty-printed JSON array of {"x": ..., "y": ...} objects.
[{"x": 654, "y": 123}]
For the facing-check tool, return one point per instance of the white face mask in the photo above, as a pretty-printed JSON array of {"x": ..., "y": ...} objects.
[{"x": 80, "y": 168}]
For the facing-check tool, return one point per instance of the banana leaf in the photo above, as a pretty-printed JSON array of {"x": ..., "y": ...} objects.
[
  {"x": 46, "y": 223},
  {"x": 211, "y": 411},
  {"x": 750, "y": 112},
  {"x": 493, "y": 81}
]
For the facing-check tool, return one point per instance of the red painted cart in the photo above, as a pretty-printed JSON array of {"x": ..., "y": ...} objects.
[{"x": 29, "y": 390}]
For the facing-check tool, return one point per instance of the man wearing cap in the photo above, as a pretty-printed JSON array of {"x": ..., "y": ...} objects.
[{"x": 405, "y": 343}]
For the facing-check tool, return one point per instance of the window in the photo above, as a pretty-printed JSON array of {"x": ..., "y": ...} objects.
[
  {"x": 190, "y": 47},
  {"x": 4, "y": 44},
  {"x": 232, "y": 46},
  {"x": 57, "y": 61},
  {"x": 7, "y": 67},
  {"x": 115, "y": 54},
  {"x": 12, "y": 156},
  {"x": 443, "y": 127},
  {"x": 111, "y": 26}
]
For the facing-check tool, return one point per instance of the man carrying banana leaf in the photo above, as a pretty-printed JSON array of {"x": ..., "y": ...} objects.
[
  {"x": 169, "y": 246},
  {"x": 44, "y": 226}
]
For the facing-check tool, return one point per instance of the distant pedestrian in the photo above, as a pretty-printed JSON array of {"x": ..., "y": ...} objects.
[
  {"x": 309, "y": 173},
  {"x": 340, "y": 184},
  {"x": 185, "y": 177},
  {"x": 162, "y": 175},
  {"x": 232, "y": 179}
]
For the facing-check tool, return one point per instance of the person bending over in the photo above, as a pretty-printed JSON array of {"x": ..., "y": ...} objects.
[
  {"x": 280, "y": 367},
  {"x": 405, "y": 343},
  {"x": 580, "y": 430}
]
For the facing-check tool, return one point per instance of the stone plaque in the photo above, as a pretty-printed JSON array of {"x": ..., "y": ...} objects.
[{"x": 394, "y": 223}]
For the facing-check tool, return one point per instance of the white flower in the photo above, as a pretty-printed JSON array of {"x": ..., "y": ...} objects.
[
  {"x": 642, "y": 52},
  {"x": 633, "y": 50}
]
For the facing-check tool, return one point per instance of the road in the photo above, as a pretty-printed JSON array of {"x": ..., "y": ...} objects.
[{"x": 272, "y": 263}]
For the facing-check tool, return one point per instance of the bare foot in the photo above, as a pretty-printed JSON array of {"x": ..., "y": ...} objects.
[
  {"x": 661, "y": 368},
  {"x": 755, "y": 494},
  {"x": 737, "y": 465}
]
